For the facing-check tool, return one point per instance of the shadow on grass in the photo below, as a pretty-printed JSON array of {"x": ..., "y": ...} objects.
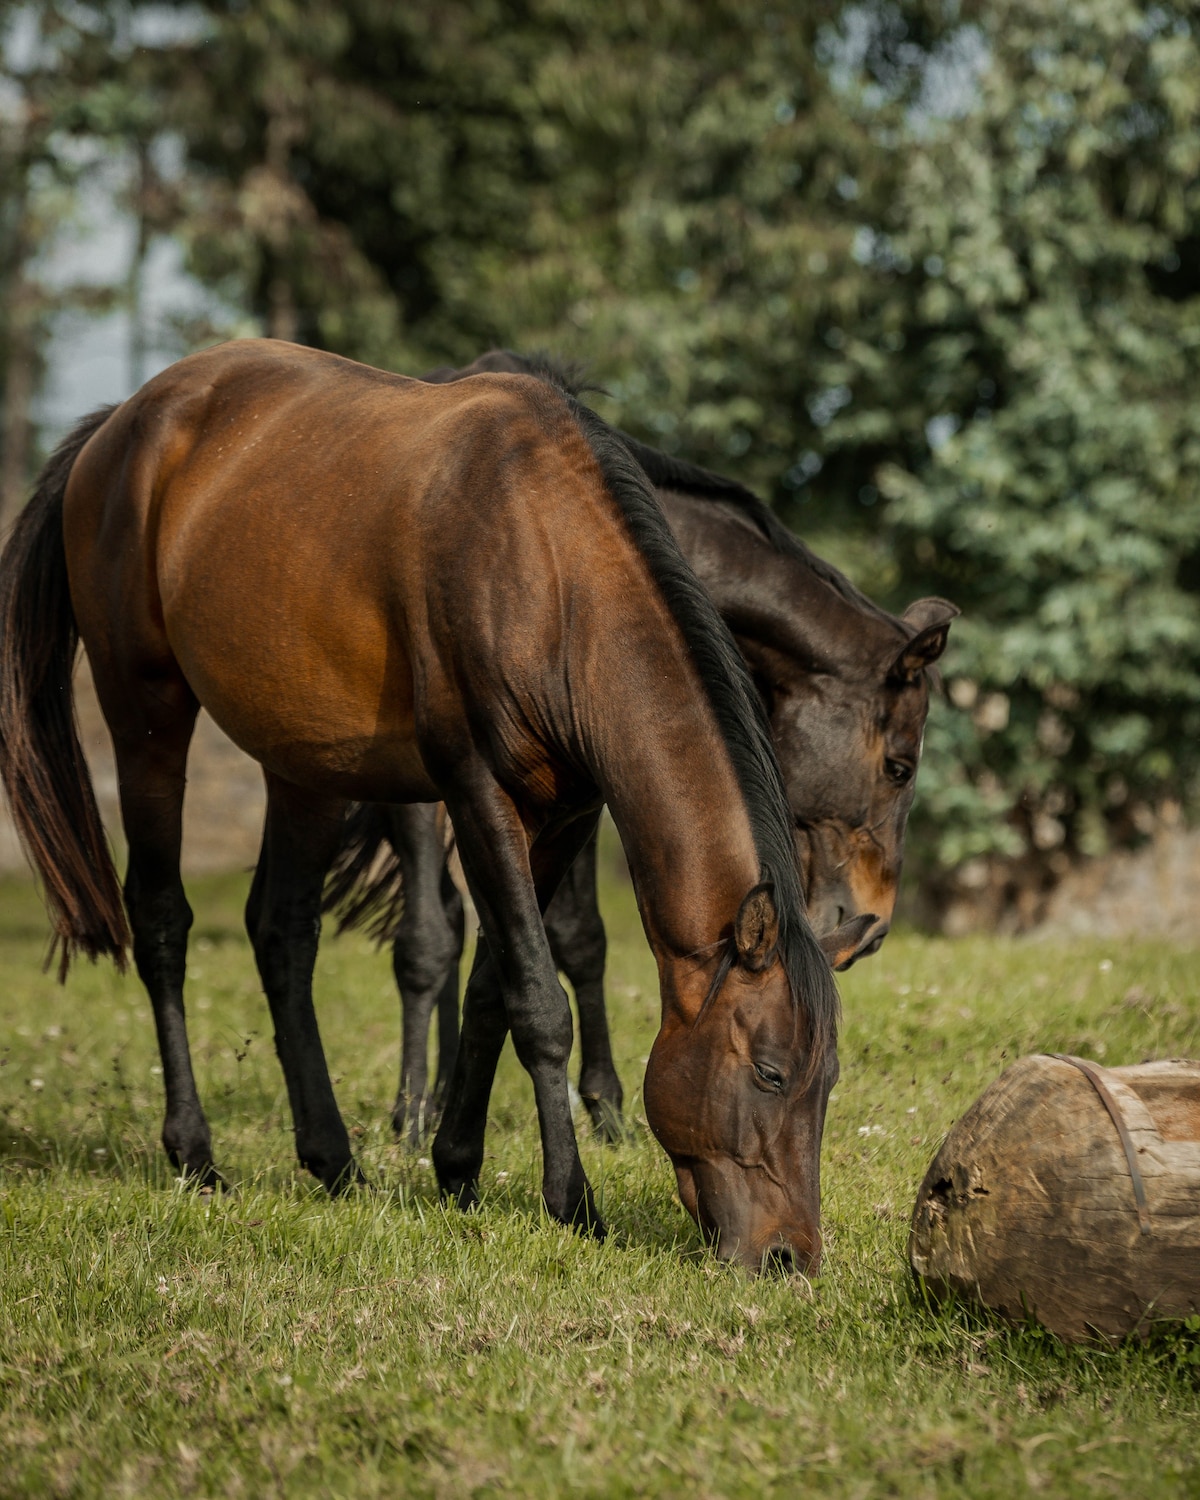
[
  {"x": 93, "y": 1152},
  {"x": 978, "y": 1339}
]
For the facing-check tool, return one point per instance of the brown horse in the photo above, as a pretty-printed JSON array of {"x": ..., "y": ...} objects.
[
  {"x": 846, "y": 687},
  {"x": 390, "y": 591}
]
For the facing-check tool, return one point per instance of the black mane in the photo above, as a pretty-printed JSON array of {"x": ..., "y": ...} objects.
[
  {"x": 740, "y": 718},
  {"x": 669, "y": 473}
]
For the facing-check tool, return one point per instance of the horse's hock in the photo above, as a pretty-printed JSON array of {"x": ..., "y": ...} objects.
[
  {"x": 223, "y": 809},
  {"x": 1070, "y": 1193}
]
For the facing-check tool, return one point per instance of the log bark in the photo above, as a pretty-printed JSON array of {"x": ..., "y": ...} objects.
[{"x": 1030, "y": 1206}]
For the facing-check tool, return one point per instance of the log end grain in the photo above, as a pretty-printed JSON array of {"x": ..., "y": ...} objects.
[{"x": 1029, "y": 1207}]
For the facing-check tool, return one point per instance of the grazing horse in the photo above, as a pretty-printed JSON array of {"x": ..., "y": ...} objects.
[
  {"x": 846, "y": 690},
  {"x": 390, "y": 591}
]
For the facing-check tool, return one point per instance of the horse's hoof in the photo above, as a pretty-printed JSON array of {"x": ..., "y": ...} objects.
[
  {"x": 406, "y": 1123},
  {"x": 336, "y": 1180},
  {"x": 606, "y": 1120},
  {"x": 585, "y": 1218},
  {"x": 349, "y": 1179},
  {"x": 196, "y": 1170},
  {"x": 463, "y": 1192},
  {"x": 409, "y": 1134},
  {"x": 206, "y": 1181}
]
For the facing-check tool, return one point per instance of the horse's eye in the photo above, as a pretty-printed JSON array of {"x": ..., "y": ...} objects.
[
  {"x": 770, "y": 1076},
  {"x": 898, "y": 771}
]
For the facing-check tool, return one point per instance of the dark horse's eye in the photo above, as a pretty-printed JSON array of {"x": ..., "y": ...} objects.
[
  {"x": 898, "y": 771},
  {"x": 770, "y": 1076}
]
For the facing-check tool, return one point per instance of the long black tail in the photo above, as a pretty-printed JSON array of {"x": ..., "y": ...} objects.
[
  {"x": 364, "y": 889},
  {"x": 42, "y": 764}
]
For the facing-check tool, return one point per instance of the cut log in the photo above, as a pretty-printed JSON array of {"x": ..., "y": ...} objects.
[{"x": 1031, "y": 1207}]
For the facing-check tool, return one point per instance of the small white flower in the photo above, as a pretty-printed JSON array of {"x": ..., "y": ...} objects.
[
  {"x": 1106, "y": 965},
  {"x": 423, "y": 1161},
  {"x": 37, "y": 1083}
]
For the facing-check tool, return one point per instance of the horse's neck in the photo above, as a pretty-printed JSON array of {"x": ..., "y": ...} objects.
[
  {"x": 778, "y": 597},
  {"x": 671, "y": 788}
]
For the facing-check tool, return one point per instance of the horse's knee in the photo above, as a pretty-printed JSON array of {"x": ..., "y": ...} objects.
[
  {"x": 541, "y": 1027},
  {"x": 421, "y": 968},
  {"x": 583, "y": 962},
  {"x": 284, "y": 944},
  {"x": 426, "y": 949},
  {"x": 579, "y": 945}
]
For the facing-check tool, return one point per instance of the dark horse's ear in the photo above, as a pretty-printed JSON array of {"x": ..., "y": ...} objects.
[
  {"x": 756, "y": 931},
  {"x": 931, "y": 618}
]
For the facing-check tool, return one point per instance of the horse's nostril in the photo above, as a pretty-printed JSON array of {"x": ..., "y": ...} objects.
[
  {"x": 781, "y": 1259},
  {"x": 876, "y": 942}
]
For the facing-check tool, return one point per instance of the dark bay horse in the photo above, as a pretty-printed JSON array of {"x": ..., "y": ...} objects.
[
  {"x": 390, "y": 591},
  {"x": 846, "y": 689}
]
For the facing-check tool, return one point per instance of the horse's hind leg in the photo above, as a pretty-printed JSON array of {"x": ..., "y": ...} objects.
[
  {"x": 154, "y": 723},
  {"x": 577, "y": 941},
  {"x": 283, "y": 918},
  {"x": 425, "y": 958},
  {"x": 447, "y": 1002}
]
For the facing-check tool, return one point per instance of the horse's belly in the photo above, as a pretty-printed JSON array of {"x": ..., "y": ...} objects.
[
  {"x": 323, "y": 699},
  {"x": 328, "y": 752}
]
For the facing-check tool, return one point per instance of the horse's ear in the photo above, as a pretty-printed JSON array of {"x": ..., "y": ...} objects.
[
  {"x": 840, "y": 945},
  {"x": 931, "y": 619},
  {"x": 756, "y": 931}
]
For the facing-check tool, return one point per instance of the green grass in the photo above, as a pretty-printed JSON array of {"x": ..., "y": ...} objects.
[{"x": 153, "y": 1342}]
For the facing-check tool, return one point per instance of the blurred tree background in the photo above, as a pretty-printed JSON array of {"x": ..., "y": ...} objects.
[{"x": 926, "y": 275}]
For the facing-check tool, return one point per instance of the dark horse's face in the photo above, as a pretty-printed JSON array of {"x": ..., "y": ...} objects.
[
  {"x": 738, "y": 1102},
  {"x": 846, "y": 687},
  {"x": 849, "y": 741}
]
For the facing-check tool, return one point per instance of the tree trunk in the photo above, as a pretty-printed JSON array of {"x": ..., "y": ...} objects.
[
  {"x": 20, "y": 316},
  {"x": 134, "y": 286}
]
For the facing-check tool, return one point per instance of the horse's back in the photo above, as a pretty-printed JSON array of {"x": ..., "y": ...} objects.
[{"x": 297, "y": 535}]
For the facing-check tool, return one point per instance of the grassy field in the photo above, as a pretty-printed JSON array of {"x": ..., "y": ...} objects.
[{"x": 156, "y": 1343}]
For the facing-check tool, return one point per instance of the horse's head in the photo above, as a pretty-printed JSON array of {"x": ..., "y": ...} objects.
[
  {"x": 737, "y": 1094},
  {"x": 849, "y": 740}
]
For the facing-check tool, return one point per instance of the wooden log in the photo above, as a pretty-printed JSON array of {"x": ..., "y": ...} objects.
[{"x": 1031, "y": 1207}]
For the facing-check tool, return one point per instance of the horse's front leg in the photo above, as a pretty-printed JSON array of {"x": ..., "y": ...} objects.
[
  {"x": 454, "y": 917},
  {"x": 513, "y": 985},
  {"x": 577, "y": 941}
]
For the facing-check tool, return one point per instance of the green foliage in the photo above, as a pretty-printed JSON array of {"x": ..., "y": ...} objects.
[
  {"x": 1051, "y": 335},
  {"x": 74, "y": 90},
  {"x": 927, "y": 274},
  {"x": 157, "y": 1343}
]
